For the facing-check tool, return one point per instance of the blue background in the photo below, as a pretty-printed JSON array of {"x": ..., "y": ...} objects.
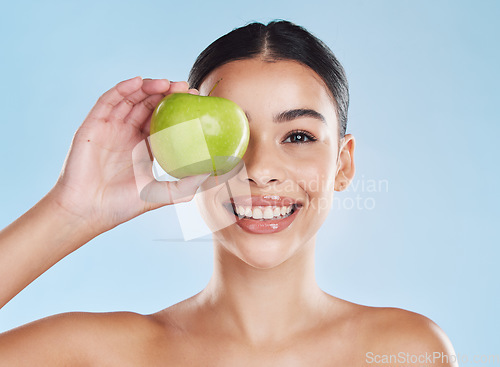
[{"x": 424, "y": 111}]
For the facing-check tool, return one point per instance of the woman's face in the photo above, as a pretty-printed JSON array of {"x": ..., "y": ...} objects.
[{"x": 278, "y": 98}]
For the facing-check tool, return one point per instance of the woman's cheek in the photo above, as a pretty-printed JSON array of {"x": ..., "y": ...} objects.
[
  {"x": 314, "y": 173},
  {"x": 209, "y": 201},
  {"x": 313, "y": 166}
]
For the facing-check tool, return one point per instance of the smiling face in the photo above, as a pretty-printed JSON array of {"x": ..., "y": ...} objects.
[{"x": 292, "y": 153}]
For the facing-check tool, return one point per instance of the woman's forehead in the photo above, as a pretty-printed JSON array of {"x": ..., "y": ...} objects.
[
  {"x": 266, "y": 73},
  {"x": 282, "y": 84}
]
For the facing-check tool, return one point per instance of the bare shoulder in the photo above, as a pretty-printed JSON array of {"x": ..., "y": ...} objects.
[
  {"x": 80, "y": 338},
  {"x": 410, "y": 338}
]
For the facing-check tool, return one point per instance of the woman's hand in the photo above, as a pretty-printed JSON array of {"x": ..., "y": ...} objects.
[{"x": 108, "y": 164}]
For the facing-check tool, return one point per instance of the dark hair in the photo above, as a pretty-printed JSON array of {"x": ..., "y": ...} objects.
[{"x": 278, "y": 40}]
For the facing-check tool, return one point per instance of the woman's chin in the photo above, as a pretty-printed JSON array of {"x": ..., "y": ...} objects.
[
  {"x": 263, "y": 263},
  {"x": 262, "y": 254}
]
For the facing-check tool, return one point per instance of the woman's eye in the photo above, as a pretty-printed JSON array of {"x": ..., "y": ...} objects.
[{"x": 299, "y": 137}]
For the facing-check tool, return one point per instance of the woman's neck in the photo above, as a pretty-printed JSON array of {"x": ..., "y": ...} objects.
[{"x": 265, "y": 305}]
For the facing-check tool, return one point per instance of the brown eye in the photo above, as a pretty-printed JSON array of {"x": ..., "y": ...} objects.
[{"x": 300, "y": 137}]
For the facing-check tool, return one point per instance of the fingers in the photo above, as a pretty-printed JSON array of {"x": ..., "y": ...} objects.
[
  {"x": 139, "y": 115},
  {"x": 114, "y": 96},
  {"x": 155, "y": 86},
  {"x": 149, "y": 87},
  {"x": 142, "y": 111},
  {"x": 132, "y": 101},
  {"x": 184, "y": 190},
  {"x": 145, "y": 111},
  {"x": 146, "y": 126},
  {"x": 178, "y": 87},
  {"x": 117, "y": 102},
  {"x": 159, "y": 193}
]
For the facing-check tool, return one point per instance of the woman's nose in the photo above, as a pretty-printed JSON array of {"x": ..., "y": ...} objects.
[{"x": 262, "y": 163}]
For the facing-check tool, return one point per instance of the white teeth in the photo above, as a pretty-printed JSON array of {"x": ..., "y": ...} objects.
[
  {"x": 257, "y": 213},
  {"x": 267, "y": 212}
]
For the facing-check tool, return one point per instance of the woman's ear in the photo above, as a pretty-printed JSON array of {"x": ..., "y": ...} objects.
[{"x": 345, "y": 163}]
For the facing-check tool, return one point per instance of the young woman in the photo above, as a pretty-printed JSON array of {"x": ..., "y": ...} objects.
[{"x": 262, "y": 306}]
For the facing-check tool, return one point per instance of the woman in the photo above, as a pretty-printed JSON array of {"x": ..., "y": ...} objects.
[{"x": 262, "y": 306}]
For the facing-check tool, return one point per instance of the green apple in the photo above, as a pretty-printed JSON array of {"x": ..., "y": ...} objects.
[{"x": 192, "y": 135}]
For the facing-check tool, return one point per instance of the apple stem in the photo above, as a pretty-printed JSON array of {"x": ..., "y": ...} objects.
[
  {"x": 214, "y": 87},
  {"x": 213, "y": 165}
]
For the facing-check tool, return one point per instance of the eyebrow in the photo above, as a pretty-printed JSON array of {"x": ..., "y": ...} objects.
[{"x": 290, "y": 115}]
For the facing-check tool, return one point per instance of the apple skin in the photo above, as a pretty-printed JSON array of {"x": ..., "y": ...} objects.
[{"x": 192, "y": 135}]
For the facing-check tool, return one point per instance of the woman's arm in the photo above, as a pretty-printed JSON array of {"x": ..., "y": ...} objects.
[
  {"x": 36, "y": 241},
  {"x": 82, "y": 339},
  {"x": 106, "y": 180},
  {"x": 98, "y": 188}
]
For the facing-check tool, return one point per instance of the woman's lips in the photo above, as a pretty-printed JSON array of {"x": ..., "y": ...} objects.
[{"x": 264, "y": 226}]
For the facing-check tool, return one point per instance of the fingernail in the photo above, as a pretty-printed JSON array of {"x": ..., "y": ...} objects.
[{"x": 135, "y": 77}]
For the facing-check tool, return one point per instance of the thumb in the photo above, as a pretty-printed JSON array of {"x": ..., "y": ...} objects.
[
  {"x": 185, "y": 189},
  {"x": 160, "y": 193}
]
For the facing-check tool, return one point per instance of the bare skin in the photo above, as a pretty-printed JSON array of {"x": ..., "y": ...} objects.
[{"x": 262, "y": 306}]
